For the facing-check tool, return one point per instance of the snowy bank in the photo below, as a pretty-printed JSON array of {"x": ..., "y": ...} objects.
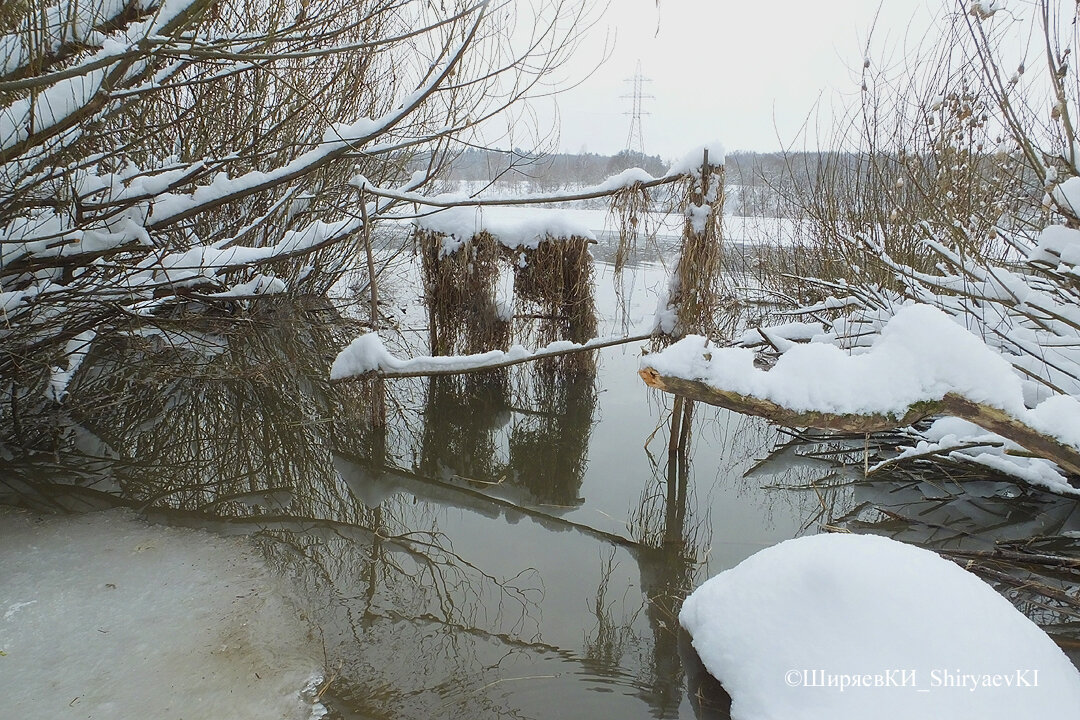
[
  {"x": 856, "y": 626},
  {"x": 105, "y": 616}
]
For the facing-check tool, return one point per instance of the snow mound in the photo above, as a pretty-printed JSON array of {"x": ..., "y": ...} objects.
[
  {"x": 859, "y": 626},
  {"x": 105, "y": 616}
]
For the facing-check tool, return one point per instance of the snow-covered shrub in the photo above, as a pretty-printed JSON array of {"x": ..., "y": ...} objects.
[{"x": 161, "y": 155}]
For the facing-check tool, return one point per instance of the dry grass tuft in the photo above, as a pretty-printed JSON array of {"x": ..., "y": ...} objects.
[
  {"x": 696, "y": 290},
  {"x": 554, "y": 297},
  {"x": 459, "y": 290}
]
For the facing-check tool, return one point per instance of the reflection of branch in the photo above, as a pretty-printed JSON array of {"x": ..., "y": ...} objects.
[
  {"x": 503, "y": 638},
  {"x": 607, "y": 648},
  {"x": 542, "y": 518},
  {"x": 1019, "y": 558}
]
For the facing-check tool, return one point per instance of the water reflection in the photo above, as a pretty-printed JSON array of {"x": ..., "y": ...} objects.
[
  {"x": 673, "y": 551},
  {"x": 461, "y": 419},
  {"x": 502, "y": 540},
  {"x": 707, "y": 696},
  {"x": 230, "y": 420},
  {"x": 549, "y": 443},
  {"x": 428, "y": 549}
]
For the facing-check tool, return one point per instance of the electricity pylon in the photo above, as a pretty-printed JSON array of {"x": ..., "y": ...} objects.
[{"x": 635, "y": 140}]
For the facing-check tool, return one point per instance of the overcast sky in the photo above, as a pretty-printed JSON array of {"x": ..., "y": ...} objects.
[{"x": 745, "y": 72}]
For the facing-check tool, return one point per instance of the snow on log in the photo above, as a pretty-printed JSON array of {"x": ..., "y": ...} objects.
[
  {"x": 922, "y": 364},
  {"x": 514, "y": 227}
]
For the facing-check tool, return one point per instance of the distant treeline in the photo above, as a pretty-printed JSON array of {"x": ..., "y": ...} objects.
[
  {"x": 759, "y": 184},
  {"x": 548, "y": 172}
]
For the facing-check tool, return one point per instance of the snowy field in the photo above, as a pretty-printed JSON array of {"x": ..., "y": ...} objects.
[{"x": 104, "y": 616}]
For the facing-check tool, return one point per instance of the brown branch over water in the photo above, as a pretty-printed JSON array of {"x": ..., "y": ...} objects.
[{"x": 989, "y": 418}]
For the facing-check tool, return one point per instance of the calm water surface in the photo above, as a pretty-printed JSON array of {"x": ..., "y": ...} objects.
[
  {"x": 560, "y": 599},
  {"x": 508, "y": 547}
]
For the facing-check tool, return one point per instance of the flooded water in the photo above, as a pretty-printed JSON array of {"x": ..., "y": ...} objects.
[
  {"x": 517, "y": 545},
  {"x": 557, "y": 541}
]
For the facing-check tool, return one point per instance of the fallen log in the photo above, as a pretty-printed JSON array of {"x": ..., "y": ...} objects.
[{"x": 990, "y": 418}]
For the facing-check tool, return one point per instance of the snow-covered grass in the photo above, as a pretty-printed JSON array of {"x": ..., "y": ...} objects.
[
  {"x": 849, "y": 627},
  {"x": 513, "y": 227},
  {"x": 692, "y": 160},
  {"x": 105, "y": 616}
]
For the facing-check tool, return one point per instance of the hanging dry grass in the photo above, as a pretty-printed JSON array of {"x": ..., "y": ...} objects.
[
  {"x": 459, "y": 290},
  {"x": 554, "y": 297},
  {"x": 630, "y": 206},
  {"x": 696, "y": 291}
]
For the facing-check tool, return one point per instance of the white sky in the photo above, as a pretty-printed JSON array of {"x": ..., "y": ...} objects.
[{"x": 745, "y": 72}]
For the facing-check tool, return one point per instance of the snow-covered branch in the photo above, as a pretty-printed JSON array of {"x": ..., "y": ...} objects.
[
  {"x": 367, "y": 356},
  {"x": 183, "y": 151}
]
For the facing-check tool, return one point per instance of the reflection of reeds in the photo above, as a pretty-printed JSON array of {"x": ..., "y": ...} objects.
[
  {"x": 549, "y": 447},
  {"x": 462, "y": 416},
  {"x": 604, "y": 650},
  {"x": 239, "y": 419},
  {"x": 673, "y": 543}
]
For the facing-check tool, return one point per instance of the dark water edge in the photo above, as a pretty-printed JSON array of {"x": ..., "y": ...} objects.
[{"x": 511, "y": 544}]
